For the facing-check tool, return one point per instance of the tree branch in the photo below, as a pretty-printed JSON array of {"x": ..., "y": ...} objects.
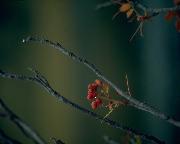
[
  {"x": 4, "y": 139},
  {"x": 109, "y": 140},
  {"x": 136, "y": 3},
  {"x": 57, "y": 141},
  {"x": 25, "y": 128},
  {"x": 132, "y": 101},
  {"x": 41, "y": 81}
]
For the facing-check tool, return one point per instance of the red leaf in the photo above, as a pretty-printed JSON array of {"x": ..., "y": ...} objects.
[
  {"x": 169, "y": 15},
  {"x": 177, "y": 2},
  {"x": 177, "y": 24}
]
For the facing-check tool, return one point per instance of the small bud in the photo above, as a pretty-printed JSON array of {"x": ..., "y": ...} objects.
[{"x": 98, "y": 82}]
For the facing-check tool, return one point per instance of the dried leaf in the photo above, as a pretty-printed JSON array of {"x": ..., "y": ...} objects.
[
  {"x": 125, "y": 7},
  {"x": 105, "y": 88},
  {"x": 129, "y": 13}
]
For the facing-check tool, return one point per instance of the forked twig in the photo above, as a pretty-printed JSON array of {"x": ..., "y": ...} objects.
[
  {"x": 132, "y": 101},
  {"x": 41, "y": 81}
]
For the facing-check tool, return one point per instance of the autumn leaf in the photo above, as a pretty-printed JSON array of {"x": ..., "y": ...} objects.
[
  {"x": 129, "y": 13},
  {"x": 125, "y": 7},
  {"x": 105, "y": 88}
]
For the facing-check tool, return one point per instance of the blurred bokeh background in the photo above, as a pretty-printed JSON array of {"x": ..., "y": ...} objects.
[{"x": 151, "y": 63}]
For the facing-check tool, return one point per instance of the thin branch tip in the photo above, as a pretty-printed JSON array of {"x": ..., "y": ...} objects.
[{"x": 27, "y": 39}]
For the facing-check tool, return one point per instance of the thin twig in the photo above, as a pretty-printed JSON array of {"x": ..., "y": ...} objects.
[
  {"x": 162, "y": 10},
  {"x": 137, "y": 30},
  {"x": 109, "y": 140},
  {"x": 103, "y": 5},
  {"x": 127, "y": 83},
  {"x": 132, "y": 101},
  {"x": 140, "y": 5},
  {"x": 4, "y": 139},
  {"x": 25, "y": 128},
  {"x": 41, "y": 81},
  {"x": 57, "y": 141}
]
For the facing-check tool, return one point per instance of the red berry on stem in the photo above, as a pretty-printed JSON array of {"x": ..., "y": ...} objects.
[
  {"x": 98, "y": 101},
  {"x": 90, "y": 96},
  {"x": 94, "y": 105}
]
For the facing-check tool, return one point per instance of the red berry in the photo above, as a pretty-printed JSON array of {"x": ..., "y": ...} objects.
[
  {"x": 92, "y": 87},
  {"x": 89, "y": 86},
  {"x": 90, "y": 96},
  {"x": 94, "y": 105},
  {"x": 91, "y": 91},
  {"x": 98, "y": 101}
]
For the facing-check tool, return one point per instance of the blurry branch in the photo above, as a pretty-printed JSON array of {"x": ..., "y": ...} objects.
[
  {"x": 132, "y": 101},
  {"x": 57, "y": 141},
  {"x": 103, "y": 5},
  {"x": 25, "y": 128},
  {"x": 161, "y": 10},
  {"x": 136, "y": 3},
  {"x": 4, "y": 139},
  {"x": 3, "y": 115},
  {"x": 41, "y": 81},
  {"x": 109, "y": 140}
]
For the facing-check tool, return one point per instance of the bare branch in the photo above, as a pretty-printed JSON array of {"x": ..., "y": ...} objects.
[
  {"x": 132, "y": 101},
  {"x": 57, "y": 141},
  {"x": 159, "y": 10},
  {"x": 4, "y": 139},
  {"x": 3, "y": 115},
  {"x": 25, "y": 128},
  {"x": 41, "y": 81},
  {"x": 103, "y": 5}
]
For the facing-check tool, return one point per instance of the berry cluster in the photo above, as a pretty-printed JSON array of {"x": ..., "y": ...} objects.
[
  {"x": 98, "y": 95},
  {"x": 93, "y": 93}
]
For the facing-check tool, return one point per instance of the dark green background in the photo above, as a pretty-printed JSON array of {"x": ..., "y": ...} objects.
[{"x": 151, "y": 63}]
